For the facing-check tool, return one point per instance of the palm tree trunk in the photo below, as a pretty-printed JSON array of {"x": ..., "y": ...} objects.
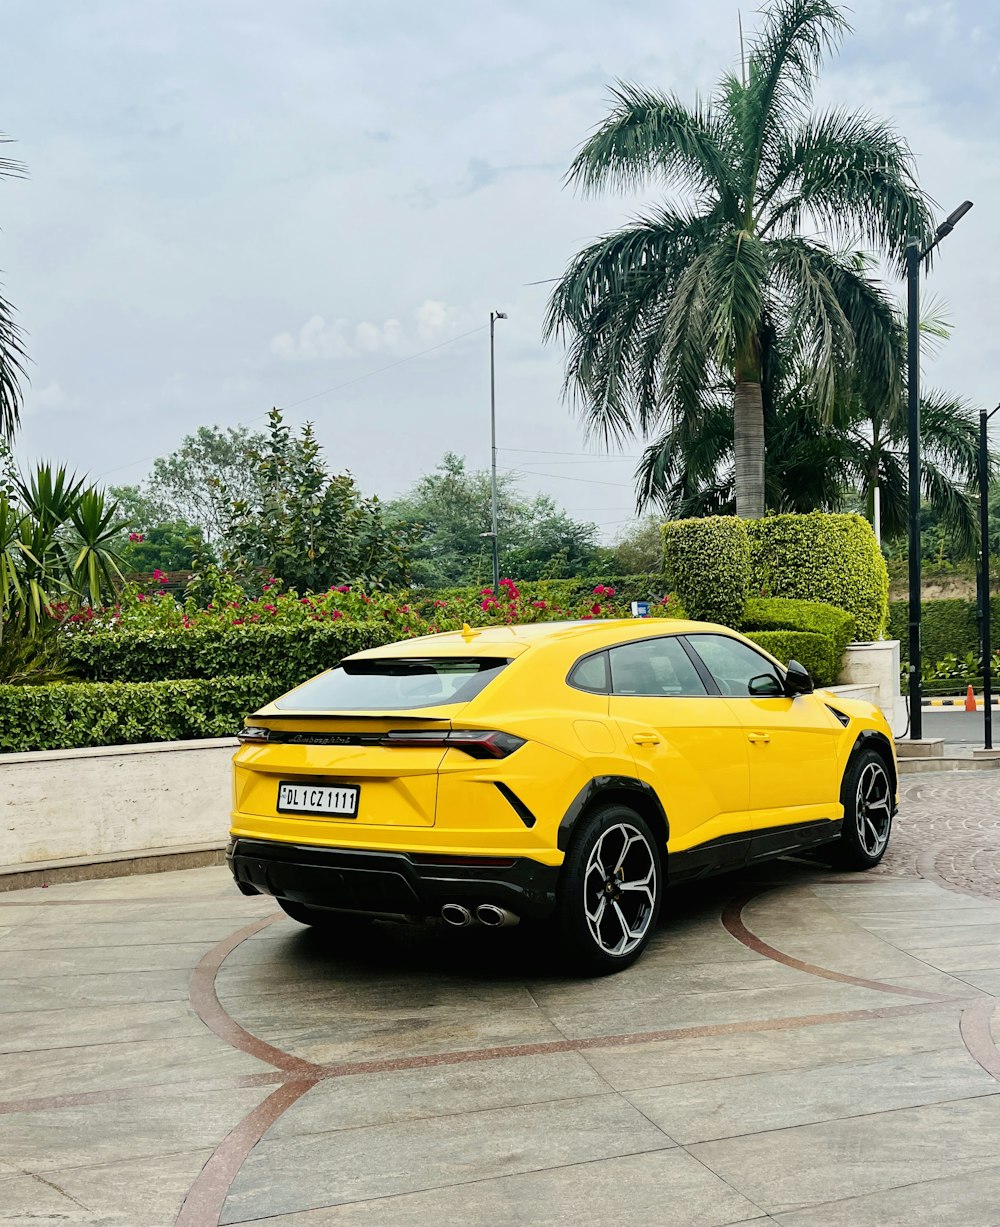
[{"x": 748, "y": 438}]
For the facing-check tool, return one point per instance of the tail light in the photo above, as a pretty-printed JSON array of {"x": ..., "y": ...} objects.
[
  {"x": 252, "y": 735},
  {"x": 477, "y": 743}
]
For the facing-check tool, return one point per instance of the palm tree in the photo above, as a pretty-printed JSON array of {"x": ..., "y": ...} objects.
[
  {"x": 681, "y": 301},
  {"x": 812, "y": 464},
  {"x": 13, "y": 358}
]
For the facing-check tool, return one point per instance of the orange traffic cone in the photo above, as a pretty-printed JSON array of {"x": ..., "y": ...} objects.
[{"x": 970, "y": 701}]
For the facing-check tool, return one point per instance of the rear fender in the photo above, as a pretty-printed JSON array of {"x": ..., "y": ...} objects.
[{"x": 624, "y": 789}]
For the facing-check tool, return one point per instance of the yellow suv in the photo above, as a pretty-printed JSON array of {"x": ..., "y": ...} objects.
[{"x": 556, "y": 772}]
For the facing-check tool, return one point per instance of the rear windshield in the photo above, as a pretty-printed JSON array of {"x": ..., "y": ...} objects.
[{"x": 390, "y": 684}]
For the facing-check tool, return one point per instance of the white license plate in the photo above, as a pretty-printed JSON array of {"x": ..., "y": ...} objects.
[{"x": 339, "y": 799}]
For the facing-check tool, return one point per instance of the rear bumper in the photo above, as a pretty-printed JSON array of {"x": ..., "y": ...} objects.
[{"x": 387, "y": 883}]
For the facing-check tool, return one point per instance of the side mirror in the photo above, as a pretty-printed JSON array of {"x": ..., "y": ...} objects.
[
  {"x": 766, "y": 685},
  {"x": 797, "y": 680}
]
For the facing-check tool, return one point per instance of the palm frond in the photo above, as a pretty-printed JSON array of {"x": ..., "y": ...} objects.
[
  {"x": 852, "y": 173},
  {"x": 650, "y": 134},
  {"x": 785, "y": 56}
]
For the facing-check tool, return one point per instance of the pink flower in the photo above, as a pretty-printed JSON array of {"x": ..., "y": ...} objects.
[
  {"x": 609, "y": 592},
  {"x": 586, "y": 617},
  {"x": 140, "y": 596},
  {"x": 595, "y": 610},
  {"x": 335, "y": 614},
  {"x": 136, "y": 537},
  {"x": 539, "y": 605},
  {"x": 403, "y": 609},
  {"x": 272, "y": 609},
  {"x": 343, "y": 588},
  {"x": 485, "y": 591},
  {"x": 237, "y": 621},
  {"x": 305, "y": 601},
  {"x": 600, "y": 590},
  {"x": 158, "y": 575},
  {"x": 440, "y": 604}
]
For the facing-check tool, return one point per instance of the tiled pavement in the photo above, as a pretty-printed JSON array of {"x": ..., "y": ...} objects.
[{"x": 797, "y": 1047}]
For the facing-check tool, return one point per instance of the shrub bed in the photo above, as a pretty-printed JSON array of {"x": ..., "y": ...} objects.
[
  {"x": 67, "y": 715},
  {"x": 707, "y": 563},
  {"x": 822, "y": 557},
  {"x": 809, "y": 648},
  {"x": 949, "y": 626},
  {"x": 286, "y": 654},
  {"x": 780, "y": 614}
]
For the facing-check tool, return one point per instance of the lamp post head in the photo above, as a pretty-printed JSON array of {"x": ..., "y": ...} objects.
[
  {"x": 952, "y": 220},
  {"x": 499, "y": 315}
]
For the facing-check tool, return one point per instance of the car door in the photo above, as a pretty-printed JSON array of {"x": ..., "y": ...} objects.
[
  {"x": 690, "y": 746},
  {"x": 792, "y": 743}
]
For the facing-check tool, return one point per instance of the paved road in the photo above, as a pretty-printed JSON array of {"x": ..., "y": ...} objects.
[
  {"x": 960, "y": 726},
  {"x": 798, "y": 1047}
]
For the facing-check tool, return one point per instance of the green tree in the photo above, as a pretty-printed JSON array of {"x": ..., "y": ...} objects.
[
  {"x": 638, "y": 549},
  {"x": 198, "y": 483},
  {"x": 152, "y": 541},
  {"x": 447, "y": 511},
  {"x": 661, "y": 315},
  {"x": 309, "y": 527},
  {"x": 814, "y": 463},
  {"x": 13, "y": 358}
]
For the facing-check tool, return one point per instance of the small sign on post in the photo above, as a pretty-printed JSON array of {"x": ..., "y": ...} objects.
[{"x": 640, "y": 609}]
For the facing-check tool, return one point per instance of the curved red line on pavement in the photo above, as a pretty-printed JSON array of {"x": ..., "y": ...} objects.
[
  {"x": 203, "y": 1205},
  {"x": 732, "y": 919},
  {"x": 978, "y": 1036},
  {"x": 205, "y": 1003}
]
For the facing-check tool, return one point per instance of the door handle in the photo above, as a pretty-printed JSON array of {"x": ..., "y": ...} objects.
[
  {"x": 758, "y": 737},
  {"x": 645, "y": 739}
]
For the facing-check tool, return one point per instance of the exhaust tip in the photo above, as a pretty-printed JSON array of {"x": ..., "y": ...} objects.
[
  {"x": 495, "y": 917},
  {"x": 456, "y": 915}
]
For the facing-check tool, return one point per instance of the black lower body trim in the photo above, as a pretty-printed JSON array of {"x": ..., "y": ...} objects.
[
  {"x": 387, "y": 883},
  {"x": 745, "y": 848}
]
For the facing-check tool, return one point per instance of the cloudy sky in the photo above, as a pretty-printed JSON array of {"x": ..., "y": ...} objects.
[{"x": 237, "y": 203}]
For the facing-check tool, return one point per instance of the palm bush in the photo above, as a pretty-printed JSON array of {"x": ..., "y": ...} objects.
[
  {"x": 56, "y": 554},
  {"x": 671, "y": 317}
]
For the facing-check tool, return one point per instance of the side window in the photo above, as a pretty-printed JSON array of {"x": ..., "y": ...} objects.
[
  {"x": 654, "y": 667},
  {"x": 734, "y": 664},
  {"x": 591, "y": 673}
]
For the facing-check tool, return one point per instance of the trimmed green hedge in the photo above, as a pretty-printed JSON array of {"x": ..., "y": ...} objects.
[
  {"x": 707, "y": 563},
  {"x": 782, "y": 614},
  {"x": 65, "y": 715},
  {"x": 822, "y": 557},
  {"x": 287, "y": 654},
  {"x": 946, "y": 625},
  {"x": 809, "y": 648}
]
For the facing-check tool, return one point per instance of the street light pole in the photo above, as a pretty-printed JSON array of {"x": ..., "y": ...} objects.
[
  {"x": 915, "y": 254},
  {"x": 913, "y": 481},
  {"x": 494, "y": 316},
  {"x": 984, "y": 583}
]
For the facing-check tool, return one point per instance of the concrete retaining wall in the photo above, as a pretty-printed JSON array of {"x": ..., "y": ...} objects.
[{"x": 57, "y": 804}]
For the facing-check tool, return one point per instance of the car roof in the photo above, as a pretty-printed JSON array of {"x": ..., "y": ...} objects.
[{"x": 590, "y": 634}]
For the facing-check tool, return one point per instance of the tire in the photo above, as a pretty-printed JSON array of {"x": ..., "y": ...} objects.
[
  {"x": 867, "y": 798},
  {"x": 610, "y": 889},
  {"x": 326, "y": 921}
]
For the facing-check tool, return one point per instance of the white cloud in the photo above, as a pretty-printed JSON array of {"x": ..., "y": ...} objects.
[
  {"x": 50, "y": 397},
  {"x": 319, "y": 341}
]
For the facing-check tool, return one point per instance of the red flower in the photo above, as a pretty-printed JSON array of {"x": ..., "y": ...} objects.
[
  {"x": 539, "y": 605},
  {"x": 600, "y": 590},
  {"x": 336, "y": 614},
  {"x": 136, "y": 537},
  {"x": 485, "y": 591},
  {"x": 343, "y": 588},
  {"x": 271, "y": 608},
  {"x": 609, "y": 592},
  {"x": 595, "y": 610},
  {"x": 140, "y": 596}
]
